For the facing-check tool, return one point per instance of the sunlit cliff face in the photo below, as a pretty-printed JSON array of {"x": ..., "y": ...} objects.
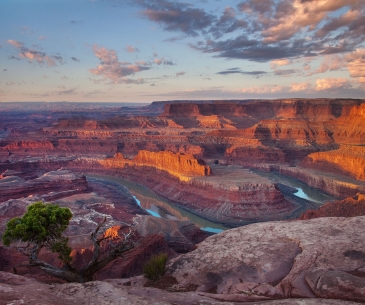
[{"x": 179, "y": 165}]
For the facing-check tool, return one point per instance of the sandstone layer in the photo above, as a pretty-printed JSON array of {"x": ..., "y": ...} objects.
[
  {"x": 349, "y": 207},
  {"x": 349, "y": 160},
  {"x": 51, "y": 184},
  {"x": 279, "y": 260},
  {"x": 178, "y": 165}
]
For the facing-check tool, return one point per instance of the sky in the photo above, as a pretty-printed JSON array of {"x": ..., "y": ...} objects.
[{"x": 151, "y": 50}]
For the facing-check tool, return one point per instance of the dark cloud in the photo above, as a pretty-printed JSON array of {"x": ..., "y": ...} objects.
[
  {"x": 4, "y": 70},
  {"x": 75, "y": 59},
  {"x": 239, "y": 71},
  {"x": 175, "y": 38},
  {"x": 162, "y": 61},
  {"x": 227, "y": 23},
  {"x": 175, "y": 16},
  {"x": 253, "y": 50},
  {"x": 14, "y": 57},
  {"x": 285, "y": 72},
  {"x": 264, "y": 30}
]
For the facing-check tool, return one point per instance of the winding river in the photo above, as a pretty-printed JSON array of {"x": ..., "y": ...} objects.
[{"x": 160, "y": 207}]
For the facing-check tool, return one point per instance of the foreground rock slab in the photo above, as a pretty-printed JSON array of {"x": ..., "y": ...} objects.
[
  {"x": 15, "y": 289},
  {"x": 323, "y": 257}
]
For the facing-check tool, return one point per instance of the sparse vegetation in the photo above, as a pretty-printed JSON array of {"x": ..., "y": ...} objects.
[
  {"x": 42, "y": 226},
  {"x": 155, "y": 267}
]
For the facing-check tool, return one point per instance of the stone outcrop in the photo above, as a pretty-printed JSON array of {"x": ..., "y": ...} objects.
[
  {"x": 181, "y": 236},
  {"x": 279, "y": 260},
  {"x": 349, "y": 160},
  {"x": 28, "y": 145},
  {"x": 16, "y": 289},
  {"x": 349, "y": 207},
  {"x": 49, "y": 184},
  {"x": 178, "y": 165}
]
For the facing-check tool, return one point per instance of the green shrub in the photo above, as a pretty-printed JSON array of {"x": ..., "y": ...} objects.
[{"x": 155, "y": 267}]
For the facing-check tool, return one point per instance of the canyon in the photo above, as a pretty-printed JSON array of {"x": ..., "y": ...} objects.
[{"x": 216, "y": 160}]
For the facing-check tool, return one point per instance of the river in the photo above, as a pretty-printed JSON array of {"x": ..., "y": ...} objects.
[{"x": 160, "y": 207}]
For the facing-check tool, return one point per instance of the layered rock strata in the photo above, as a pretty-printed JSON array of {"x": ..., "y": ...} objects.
[
  {"x": 178, "y": 165},
  {"x": 349, "y": 207},
  {"x": 232, "y": 195},
  {"x": 51, "y": 183},
  {"x": 348, "y": 160}
]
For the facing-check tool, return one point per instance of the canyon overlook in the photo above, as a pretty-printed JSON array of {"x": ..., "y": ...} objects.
[{"x": 237, "y": 164}]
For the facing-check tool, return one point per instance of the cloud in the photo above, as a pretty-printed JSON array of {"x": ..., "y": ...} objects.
[
  {"x": 356, "y": 63},
  {"x": 180, "y": 73},
  {"x": 75, "y": 59},
  {"x": 16, "y": 44},
  {"x": 264, "y": 89},
  {"x": 265, "y": 30},
  {"x": 353, "y": 19},
  {"x": 331, "y": 83},
  {"x": 239, "y": 71},
  {"x": 174, "y": 16},
  {"x": 14, "y": 57},
  {"x": 4, "y": 70},
  {"x": 42, "y": 37},
  {"x": 33, "y": 55},
  {"x": 162, "y": 61},
  {"x": 330, "y": 63},
  {"x": 300, "y": 87},
  {"x": 114, "y": 71},
  {"x": 131, "y": 49},
  {"x": 65, "y": 91},
  {"x": 174, "y": 38},
  {"x": 281, "y": 20},
  {"x": 285, "y": 72},
  {"x": 279, "y": 62}
]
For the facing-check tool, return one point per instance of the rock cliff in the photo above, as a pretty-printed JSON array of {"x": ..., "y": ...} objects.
[
  {"x": 48, "y": 185},
  {"x": 178, "y": 165},
  {"x": 348, "y": 160},
  {"x": 349, "y": 207}
]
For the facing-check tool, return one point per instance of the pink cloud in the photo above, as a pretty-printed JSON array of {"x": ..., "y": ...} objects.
[
  {"x": 299, "y": 14},
  {"x": 300, "y": 87},
  {"x": 264, "y": 89},
  {"x": 331, "y": 83},
  {"x": 356, "y": 63},
  {"x": 111, "y": 69},
  {"x": 279, "y": 62},
  {"x": 131, "y": 49},
  {"x": 34, "y": 55},
  {"x": 15, "y": 43}
]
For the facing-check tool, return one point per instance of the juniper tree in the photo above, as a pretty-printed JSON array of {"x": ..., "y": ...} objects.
[{"x": 42, "y": 226}]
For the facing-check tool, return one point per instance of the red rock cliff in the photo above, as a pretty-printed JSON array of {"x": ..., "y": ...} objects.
[
  {"x": 347, "y": 159},
  {"x": 178, "y": 165}
]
